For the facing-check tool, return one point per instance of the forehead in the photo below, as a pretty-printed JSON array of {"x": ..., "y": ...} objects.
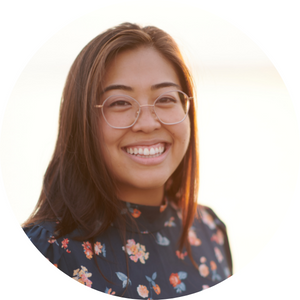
[{"x": 140, "y": 69}]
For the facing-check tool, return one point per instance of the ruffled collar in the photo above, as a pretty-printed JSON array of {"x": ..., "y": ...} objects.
[{"x": 148, "y": 219}]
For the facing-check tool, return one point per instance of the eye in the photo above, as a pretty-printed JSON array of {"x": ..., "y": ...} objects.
[
  {"x": 166, "y": 100},
  {"x": 119, "y": 103}
]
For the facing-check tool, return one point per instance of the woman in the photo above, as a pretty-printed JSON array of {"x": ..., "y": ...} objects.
[{"x": 118, "y": 209}]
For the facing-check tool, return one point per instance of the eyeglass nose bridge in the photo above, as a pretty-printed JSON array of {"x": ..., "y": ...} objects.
[{"x": 146, "y": 105}]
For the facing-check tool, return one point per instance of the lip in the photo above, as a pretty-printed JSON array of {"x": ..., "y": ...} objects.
[
  {"x": 146, "y": 143},
  {"x": 148, "y": 161}
]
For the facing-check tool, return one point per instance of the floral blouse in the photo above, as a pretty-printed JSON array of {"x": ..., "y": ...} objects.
[{"x": 156, "y": 268}]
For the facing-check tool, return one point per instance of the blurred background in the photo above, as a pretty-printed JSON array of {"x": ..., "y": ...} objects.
[{"x": 249, "y": 140}]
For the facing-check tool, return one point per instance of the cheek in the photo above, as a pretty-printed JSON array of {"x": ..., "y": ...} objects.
[
  {"x": 182, "y": 134},
  {"x": 108, "y": 139}
]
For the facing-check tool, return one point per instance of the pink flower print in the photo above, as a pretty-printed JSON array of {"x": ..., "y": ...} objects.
[
  {"x": 52, "y": 240},
  {"x": 203, "y": 270},
  {"x": 218, "y": 237},
  {"x": 133, "y": 258},
  {"x": 192, "y": 237},
  {"x": 181, "y": 255},
  {"x": 82, "y": 276},
  {"x": 142, "y": 291},
  {"x": 98, "y": 248},
  {"x": 131, "y": 247},
  {"x": 218, "y": 254},
  {"x": 203, "y": 259},
  {"x": 87, "y": 247},
  {"x": 207, "y": 219},
  {"x": 205, "y": 286},
  {"x": 136, "y": 251}
]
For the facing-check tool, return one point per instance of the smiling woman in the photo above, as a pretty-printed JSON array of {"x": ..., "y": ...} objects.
[
  {"x": 118, "y": 208},
  {"x": 144, "y": 74}
]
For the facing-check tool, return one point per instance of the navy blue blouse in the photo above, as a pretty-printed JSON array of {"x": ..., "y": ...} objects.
[{"x": 156, "y": 268}]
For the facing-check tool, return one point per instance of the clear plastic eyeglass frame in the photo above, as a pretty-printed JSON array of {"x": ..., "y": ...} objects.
[{"x": 147, "y": 105}]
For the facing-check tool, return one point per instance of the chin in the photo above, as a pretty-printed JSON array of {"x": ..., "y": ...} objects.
[{"x": 147, "y": 182}]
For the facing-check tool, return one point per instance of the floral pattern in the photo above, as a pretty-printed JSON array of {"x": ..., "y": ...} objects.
[
  {"x": 170, "y": 222},
  {"x": 136, "y": 213},
  {"x": 64, "y": 244},
  {"x": 203, "y": 268},
  {"x": 156, "y": 267},
  {"x": 98, "y": 248},
  {"x": 87, "y": 247},
  {"x": 192, "y": 237},
  {"x": 152, "y": 285},
  {"x": 213, "y": 267},
  {"x": 125, "y": 280},
  {"x": 218, "y": 254},
  {"x": 162, "y": 240},
  {"x": 142, "y": 291},
  {"x": 109, "y": 291},
  {"x": 133, "y": 210},
  {"x": 208, "y": 219},
  {"x": 181, "y": 255},
  {"x": 52, "y": 240},
  {"x": 82, "y": 276},
  {"x": 176, "y": 281},
  {"x": 218, "y": 237},
  {"x": 136, "y": 251}
]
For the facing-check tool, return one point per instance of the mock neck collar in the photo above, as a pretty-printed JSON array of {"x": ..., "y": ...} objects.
[{"x": 148, "y": 219}]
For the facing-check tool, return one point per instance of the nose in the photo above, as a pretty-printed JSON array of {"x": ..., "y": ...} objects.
[{"x": 147, "y": 120}]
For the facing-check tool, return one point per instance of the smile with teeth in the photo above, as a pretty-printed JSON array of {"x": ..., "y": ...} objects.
[{"x": 148, "y": 152}]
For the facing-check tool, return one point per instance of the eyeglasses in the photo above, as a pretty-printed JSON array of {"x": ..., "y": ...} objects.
[{"x": 122, "y": 111}]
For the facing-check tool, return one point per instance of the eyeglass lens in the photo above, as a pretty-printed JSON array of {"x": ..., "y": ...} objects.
[{"x": 122, "y": 111}]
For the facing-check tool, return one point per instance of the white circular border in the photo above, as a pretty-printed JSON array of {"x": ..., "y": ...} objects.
[{"x": 273, "y": 26}]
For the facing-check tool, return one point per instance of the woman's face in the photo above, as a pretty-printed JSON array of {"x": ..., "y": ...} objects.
[{"x": 144, "y": 75}]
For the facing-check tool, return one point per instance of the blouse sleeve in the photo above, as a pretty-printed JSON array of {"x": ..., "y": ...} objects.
[
  {"x": 220, "y": 225},
  {"x": 41, "y": 235}
]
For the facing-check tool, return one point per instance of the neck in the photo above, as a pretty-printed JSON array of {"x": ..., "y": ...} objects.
[{"x": 152, "y": 197}]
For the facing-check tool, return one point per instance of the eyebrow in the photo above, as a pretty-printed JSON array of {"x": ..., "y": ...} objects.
[
  {"x": 130, "y": 89},
  {"x": 164, "y": 84}
]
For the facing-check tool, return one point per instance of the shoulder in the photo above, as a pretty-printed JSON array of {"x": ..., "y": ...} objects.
[
  {"x": 217, "y": 230},
  {"x": 42, "y": 236},
  {"x": 210, "y": 218}
]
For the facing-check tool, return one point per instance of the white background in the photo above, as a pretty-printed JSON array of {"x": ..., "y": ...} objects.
[{"x": 25, "y": 27}]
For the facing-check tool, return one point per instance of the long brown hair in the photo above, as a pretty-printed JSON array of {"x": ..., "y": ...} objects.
[{"x": 78, "y": 189}]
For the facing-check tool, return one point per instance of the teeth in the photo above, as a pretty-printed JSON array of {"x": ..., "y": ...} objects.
[{"x": 149, "y": 152}]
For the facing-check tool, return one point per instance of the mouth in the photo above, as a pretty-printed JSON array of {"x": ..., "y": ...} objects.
[{"x": 150, "y": 151}]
